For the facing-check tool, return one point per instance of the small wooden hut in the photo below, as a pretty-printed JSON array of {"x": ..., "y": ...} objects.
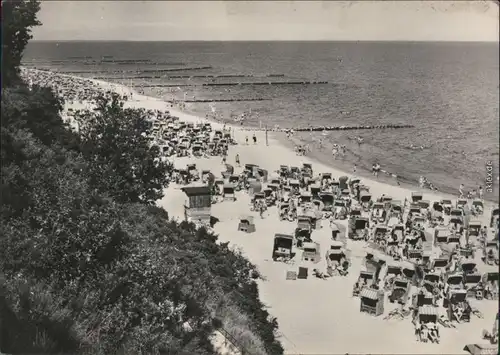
[
  {"x": 198, "y": 204},
  {"x": 372, "y": 301}
]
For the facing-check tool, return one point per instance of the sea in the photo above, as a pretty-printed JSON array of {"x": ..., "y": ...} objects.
[{"x": 448, "y": 91}]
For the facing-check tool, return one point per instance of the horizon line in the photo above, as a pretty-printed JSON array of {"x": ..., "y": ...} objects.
[{"x": 263, "y": 40}]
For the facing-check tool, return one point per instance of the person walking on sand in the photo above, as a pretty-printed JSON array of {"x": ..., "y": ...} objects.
[
  {"x": 461, "y": 191},
  {"x": 254, "y": 139},
  {"x": 480, "y": 192},
  {"x": 246, "y": 140},
  {"x": 237, "y": 159}
]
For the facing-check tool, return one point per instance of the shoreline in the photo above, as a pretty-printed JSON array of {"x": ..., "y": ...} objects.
[
  {"x": 344, "y": 164},
  {"x": 316, "y": 156},
  {"x": 320, "y": 155}
]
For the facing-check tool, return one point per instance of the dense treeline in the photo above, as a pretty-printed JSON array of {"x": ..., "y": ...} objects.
[{"x": 89, "y": 264}]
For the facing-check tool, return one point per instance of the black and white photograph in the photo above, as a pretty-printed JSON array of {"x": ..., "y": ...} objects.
[{"x": 249, "y": 177}]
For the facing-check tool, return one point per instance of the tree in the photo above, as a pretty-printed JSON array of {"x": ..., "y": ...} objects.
[
  {"x": 114, "y": 143},
  {"x": 37, "y": 110},
  {"x": 18, "y": 18}
]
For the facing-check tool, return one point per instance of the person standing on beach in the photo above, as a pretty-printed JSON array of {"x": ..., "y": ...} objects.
[
  {"x": 246, "y": 140},
  {"x": 335, "y": 150},
  {"x": 254, "y": 139},
  {"x": 461, "y": 191},
  {"x": 480, "y": 191},
  {"x": 237, "y": 158},
  {"x": 354, "y": 169}
]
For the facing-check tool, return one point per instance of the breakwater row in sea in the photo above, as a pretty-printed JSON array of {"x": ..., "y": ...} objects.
[
  {"x": 127, "y": 71},
  {"x": 330, "y": 128},
  {"x": 234, "y": 84},
  {"x": 223, "y": 100},
  {"x": 208, "y": 76},
  {"x": 131, "y": 63}
]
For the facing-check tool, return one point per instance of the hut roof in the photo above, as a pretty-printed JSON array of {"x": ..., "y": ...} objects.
[
  {"x": 369, "y": 293},
  {"x": 196, "y": 190}
]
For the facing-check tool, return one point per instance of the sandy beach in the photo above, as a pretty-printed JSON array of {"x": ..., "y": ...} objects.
[{"x": 315, "y": 316}]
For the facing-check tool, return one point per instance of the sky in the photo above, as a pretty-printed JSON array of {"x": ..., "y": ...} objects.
[{"x": 269, "y": 20}]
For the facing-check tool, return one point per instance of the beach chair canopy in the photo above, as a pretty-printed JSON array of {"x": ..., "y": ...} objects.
[
  {"x": 369, "y": 293},
  {"x": 336, "y": 245},
  {"x": 400, "y": 227},
  {"x": 327, "y": 196},
  {"x": 415, "y": 196},
  {"x": 366, "y": 275},
  {"x": 454, "y": 279},
  {"x": 394, "y": 269},
  {"x": 401, "y": 283},
  {"x": 283, "y": 236},
  {"x": 365, "y": 196},
  {"x": 491, "y": 276},
  {"x": 360, "y": 223},
  {"x": 381, "y": 229},
  {"x": 428, "y": 311},
  {"x": 477, "y": 203},
  {"x": 246, "y": 219},
  {"x": 432, "y": 277},
  {"x": 457, "y": 295},
  {"x": 439, "y": 263},
  {"x": 475, "y": 224},
  {"x": 468, "y": 266},
  {"x": 481, "y": 349},
  {"x": 310, "y": 247}
]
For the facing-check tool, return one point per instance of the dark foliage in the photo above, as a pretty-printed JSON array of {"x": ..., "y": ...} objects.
[
  {"x": 114, "y": 140},
  {"x": 89, "y": 264},
  {"x": 18, "y": 18}
]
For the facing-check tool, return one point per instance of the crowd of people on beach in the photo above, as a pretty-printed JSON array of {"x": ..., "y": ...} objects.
[{"x": 471, "y": 194}]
